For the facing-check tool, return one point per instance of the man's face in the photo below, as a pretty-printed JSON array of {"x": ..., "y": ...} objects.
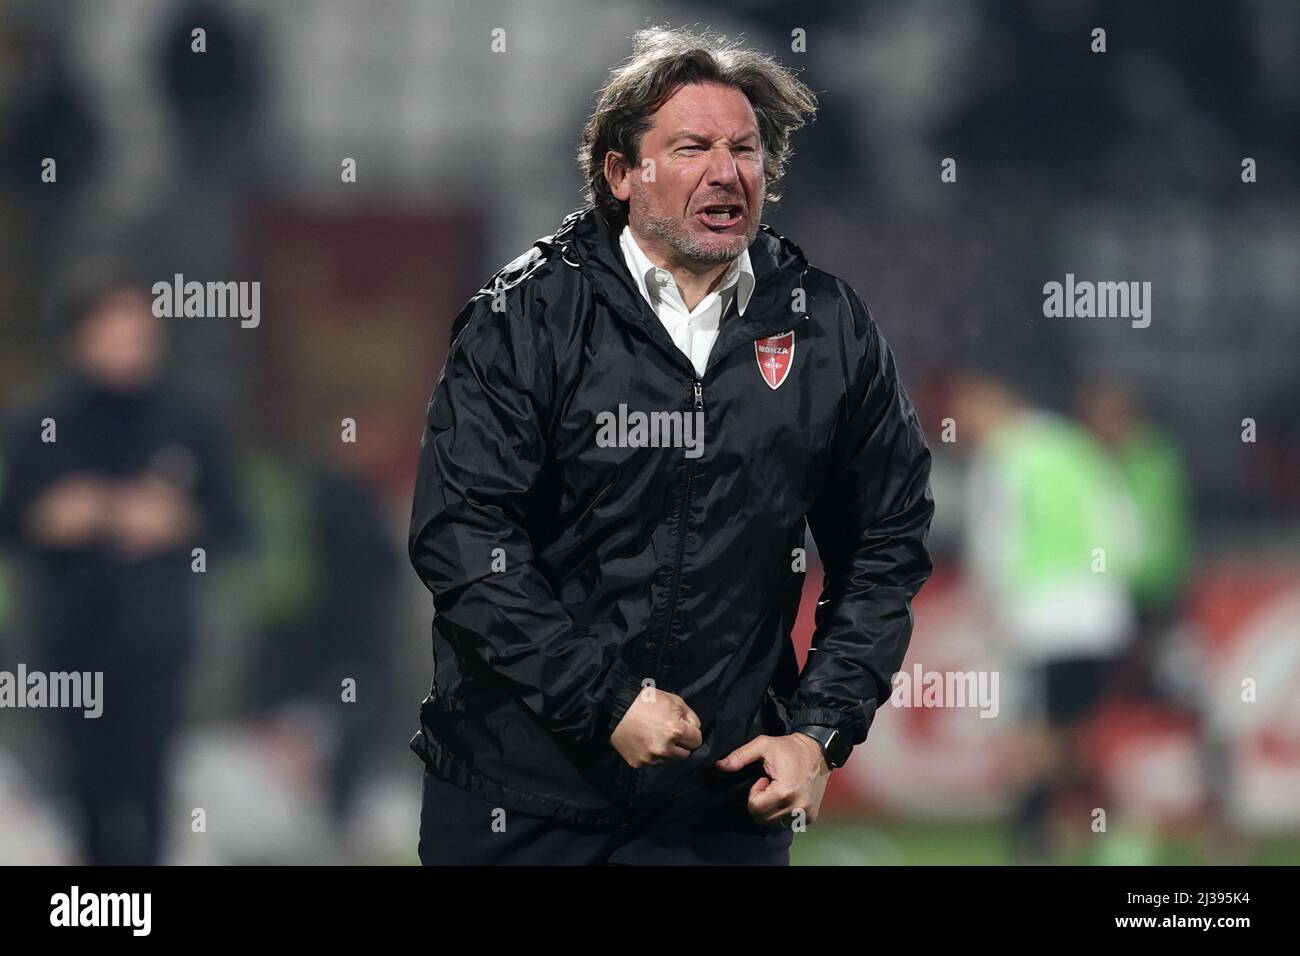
[
  {"x": 119, "y": 343},
  {"x": 700, "y": 200}
]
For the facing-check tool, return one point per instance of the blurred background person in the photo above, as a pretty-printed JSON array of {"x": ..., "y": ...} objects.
[
  {"x": 110, "y": 479},
  {"x": 1151, "y": 464},
  {"x": 1048, "y": 534},
  {"x": 1163, "y": 664},
  {"x": 340, "y": 622}
]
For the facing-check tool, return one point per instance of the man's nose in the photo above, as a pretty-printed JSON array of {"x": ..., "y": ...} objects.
[{"x": 722, "y": 167}]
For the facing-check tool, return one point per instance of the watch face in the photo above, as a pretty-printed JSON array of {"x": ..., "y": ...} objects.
[
  {"x": 835, "y": 746},
  {"x": 837, "y": 749}
]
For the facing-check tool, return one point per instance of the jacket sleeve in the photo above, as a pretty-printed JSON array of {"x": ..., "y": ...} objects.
[
  {"x": 481, "y": 455},
  {"x": 870, "y": 523}
]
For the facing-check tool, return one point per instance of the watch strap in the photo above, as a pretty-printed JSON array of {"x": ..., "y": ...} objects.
[{"x": 829, "y": 739}]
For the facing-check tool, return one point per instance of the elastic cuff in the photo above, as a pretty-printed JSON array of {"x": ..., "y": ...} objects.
[
  {"x": 823, "y": 717},
  {"x": 623, "y": 690}
]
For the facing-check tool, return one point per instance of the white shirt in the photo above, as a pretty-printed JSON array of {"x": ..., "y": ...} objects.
[{"x": 693, "y": 331}]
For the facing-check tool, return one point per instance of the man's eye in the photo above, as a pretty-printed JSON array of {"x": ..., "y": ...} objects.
[{"x": 687, "y": 149}]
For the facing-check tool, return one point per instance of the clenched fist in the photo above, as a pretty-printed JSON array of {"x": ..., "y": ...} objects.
[{"x": 658, "y": 726}]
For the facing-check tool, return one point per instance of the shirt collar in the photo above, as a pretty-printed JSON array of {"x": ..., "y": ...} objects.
[{"x": 740, "y": 274}]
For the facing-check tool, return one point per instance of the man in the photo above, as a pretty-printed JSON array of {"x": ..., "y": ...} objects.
[
  {"x": 635, "y": 423},
  {"x": 110, "y": 480}
]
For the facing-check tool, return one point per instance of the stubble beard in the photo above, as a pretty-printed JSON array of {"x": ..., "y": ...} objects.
[{"x": 688, "y": 245}]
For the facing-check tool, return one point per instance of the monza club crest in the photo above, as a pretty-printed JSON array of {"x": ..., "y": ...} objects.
[{"x": 775, "y": 355}]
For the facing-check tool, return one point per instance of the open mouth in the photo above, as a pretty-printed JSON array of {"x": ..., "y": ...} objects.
[{"x": 720, "y": 216}]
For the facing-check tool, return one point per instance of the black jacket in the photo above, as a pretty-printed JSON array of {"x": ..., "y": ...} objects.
[
  {"x": 566, "y": 572},
  {"x": 87, "y": 604}
]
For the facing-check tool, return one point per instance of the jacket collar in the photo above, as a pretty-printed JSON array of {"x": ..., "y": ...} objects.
[
  {"x": 738, "y": 277},
  {"x": 589, "y": 239}
]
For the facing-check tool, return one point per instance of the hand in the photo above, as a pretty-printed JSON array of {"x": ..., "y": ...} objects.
[
  {"x": 796, "y": 774},
  {"x": 70, "y": 514},
  {"x": 658, "y": 726},
  {"x": 150, "y": 515}
]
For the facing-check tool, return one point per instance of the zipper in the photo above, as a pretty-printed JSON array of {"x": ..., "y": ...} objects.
[
  {"x": 682, "y": 520},
  {"x": 697, "y": 395}
]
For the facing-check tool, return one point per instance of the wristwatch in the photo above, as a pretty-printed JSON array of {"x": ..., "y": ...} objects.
[{"x": 835, "y": 745}]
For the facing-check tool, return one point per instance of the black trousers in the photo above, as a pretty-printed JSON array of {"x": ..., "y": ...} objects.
[
  {"x": 117, "y": 762},
  {"x": 459, "y": 828}
]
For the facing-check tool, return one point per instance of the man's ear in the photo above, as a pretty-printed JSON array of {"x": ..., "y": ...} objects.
[{"x": 616, "y": 174}]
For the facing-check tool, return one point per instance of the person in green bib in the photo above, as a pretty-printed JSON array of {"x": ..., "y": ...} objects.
[
  {"x": 1052, "y": 543},
  {"x": 1155, "y": 474}
]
